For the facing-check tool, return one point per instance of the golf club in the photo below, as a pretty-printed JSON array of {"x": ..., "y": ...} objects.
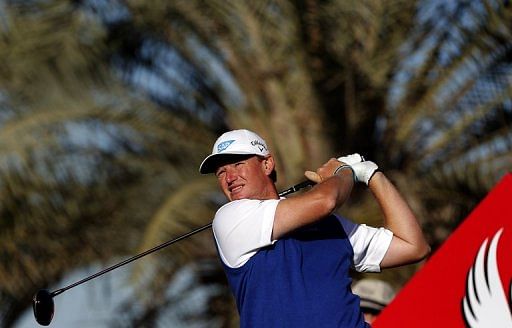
[{"x": 43, "y": 304}]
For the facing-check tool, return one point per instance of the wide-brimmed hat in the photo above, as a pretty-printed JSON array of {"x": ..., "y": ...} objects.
[{"x": 235, "y": 142}]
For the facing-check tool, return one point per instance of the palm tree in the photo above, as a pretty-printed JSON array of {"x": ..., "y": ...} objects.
[
  {"x": 348, "y": 59},
  {"x": 85, "y": 161},
  {"x": 148, "y": 85}
]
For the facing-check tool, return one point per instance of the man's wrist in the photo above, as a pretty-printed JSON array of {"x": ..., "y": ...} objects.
[
  {"x": 373, "y": 175},
  {"x": 344, "y": 167}
]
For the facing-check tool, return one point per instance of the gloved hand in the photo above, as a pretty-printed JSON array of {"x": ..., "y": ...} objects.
[
  {"x": 351, "y": 159},
  {"x": 363, "y": 170}
]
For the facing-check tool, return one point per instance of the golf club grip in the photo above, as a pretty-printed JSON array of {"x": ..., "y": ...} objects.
[
  {"x": 297, "y": 187},
  {"x": 292, "y": 189}
]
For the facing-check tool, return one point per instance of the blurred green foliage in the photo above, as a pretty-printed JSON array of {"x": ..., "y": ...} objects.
[{"x": 108, "y": 107}]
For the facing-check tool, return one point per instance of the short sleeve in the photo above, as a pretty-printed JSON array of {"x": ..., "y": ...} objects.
[
  {"x": 369, "y": 244},
  {"x": 242, "y": 227}
]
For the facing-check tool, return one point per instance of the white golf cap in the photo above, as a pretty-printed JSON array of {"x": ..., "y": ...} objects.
[
  {"x": 375, "y": 294},
  {"x": 235, "y": 142}
]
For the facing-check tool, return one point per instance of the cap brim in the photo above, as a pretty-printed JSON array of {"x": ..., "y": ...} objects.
[{"x": 210, "y": 163}]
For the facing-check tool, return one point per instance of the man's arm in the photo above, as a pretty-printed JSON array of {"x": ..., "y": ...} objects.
[
  {"x": 331, "y": 191},
  {"x": 408, "y": 244}
]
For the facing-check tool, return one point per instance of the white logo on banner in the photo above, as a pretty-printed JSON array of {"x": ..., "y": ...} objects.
[{"x": 485, "y": 304}]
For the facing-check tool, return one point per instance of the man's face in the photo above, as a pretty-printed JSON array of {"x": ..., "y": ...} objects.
[{"x": 246, "y": 177}]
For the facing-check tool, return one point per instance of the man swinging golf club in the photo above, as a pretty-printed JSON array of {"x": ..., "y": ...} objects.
[{"x": 287, "y": 260}]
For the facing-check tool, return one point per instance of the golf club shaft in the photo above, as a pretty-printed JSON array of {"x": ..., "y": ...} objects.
[
  {"x": 292, "y": 189},
  {"x": 133, "y": 258}
]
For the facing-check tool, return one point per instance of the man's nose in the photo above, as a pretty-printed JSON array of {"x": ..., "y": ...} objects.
[{"x": 231, "y": 175}]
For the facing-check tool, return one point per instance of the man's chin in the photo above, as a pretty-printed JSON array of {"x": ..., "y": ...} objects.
[{"x": 238, "y": 196}]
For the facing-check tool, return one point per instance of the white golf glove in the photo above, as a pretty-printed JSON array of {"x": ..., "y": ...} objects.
[
  {"x": 351, "y": 159},
  {"x": 363, "y": 170}
]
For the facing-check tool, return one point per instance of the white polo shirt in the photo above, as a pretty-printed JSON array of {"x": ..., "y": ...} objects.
[{"x": 244, "y": 226}]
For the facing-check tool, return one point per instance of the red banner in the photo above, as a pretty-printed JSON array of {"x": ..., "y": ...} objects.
[{"x": 466, "y": 282}]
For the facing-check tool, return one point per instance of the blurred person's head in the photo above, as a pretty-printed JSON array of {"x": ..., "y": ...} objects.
[{"x": 375, "y": 295}]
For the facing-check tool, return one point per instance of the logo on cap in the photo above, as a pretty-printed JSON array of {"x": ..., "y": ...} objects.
[
  {"x": 223, "y": 145},
  {"x": 261, "y": 146}
]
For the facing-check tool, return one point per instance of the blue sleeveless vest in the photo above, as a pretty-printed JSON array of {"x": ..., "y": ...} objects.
[{"x": 302, "y": 280}]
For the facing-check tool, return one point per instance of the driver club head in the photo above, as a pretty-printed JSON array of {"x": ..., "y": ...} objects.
[{"x": 43, "y": 306}]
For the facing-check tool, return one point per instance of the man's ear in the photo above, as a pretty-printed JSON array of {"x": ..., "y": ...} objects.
[{"x": 269, "y": 164}]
